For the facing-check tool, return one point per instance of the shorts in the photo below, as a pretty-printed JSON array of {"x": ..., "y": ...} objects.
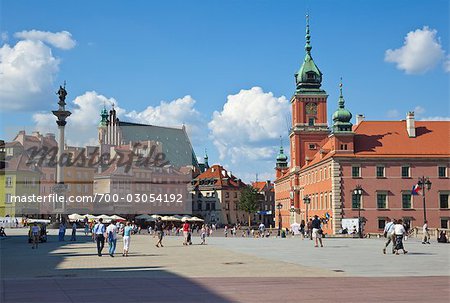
[
  {"x": 126, "y": 242},
  {"x": 315, "y": 233}
]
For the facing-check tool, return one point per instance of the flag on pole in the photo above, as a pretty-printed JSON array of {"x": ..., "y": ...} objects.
[{"x": 416, "y": 190}]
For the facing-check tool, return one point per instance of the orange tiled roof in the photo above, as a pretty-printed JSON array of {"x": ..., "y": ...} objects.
[
  {"x": 259, "y": 186},
  {"x": 221, "y": 177},
  {"x": 390, "y": 139}
]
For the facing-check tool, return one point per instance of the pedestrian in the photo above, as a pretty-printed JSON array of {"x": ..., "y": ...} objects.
[
  {"x": 62, "y": 231},
  {"x": 159, "y": 228},
  {"x": 302, "y": 229},
  {"x": 203, "y": 235},
  {"x": 111, "y": 232},
  {"x": 98, "y": 232},
  {"x": 74, "y": 232},
  {"x": 91, "y": 229},
  {"x": 426, "y": 233},
  {"x": 126, "y": 239},
  {"x": 35, "y": 232},
  {"x": 86, "y": 225},
  {"x": 225, "y": 231},
  {"x": 399, "y": 231},
  {"x": 309, "y": 229},
  {"x": 186, "y": 229},
  {"x": 389, "y": 235},
  {"x": 317, "y": 231}
]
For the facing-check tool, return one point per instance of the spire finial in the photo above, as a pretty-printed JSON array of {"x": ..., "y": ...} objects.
[
  {"x": 308, "y": 36},
  {"x": 206, "y": 153},
  {"x": 341, "y": 96}
]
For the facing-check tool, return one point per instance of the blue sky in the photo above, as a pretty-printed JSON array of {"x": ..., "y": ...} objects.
[{"x": 194, "y": 54}]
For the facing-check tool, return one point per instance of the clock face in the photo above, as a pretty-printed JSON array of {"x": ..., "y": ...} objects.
[{"x": 311, "y": 108}]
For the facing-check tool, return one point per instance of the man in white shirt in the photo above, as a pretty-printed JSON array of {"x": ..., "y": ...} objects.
[
  {"x": 399, "y": 232},
  {"x": 111, "y": 231},
  {"x": 99, "y": 234},
  {"x": 389, "y": 235},
  {"x": 426, "y": 233}
]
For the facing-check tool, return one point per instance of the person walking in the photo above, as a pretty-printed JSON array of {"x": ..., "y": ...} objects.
[
  {"x": 399, "y": 232},
  {"x": 111, "y": 231},
  {"x": 62, "y": 231},
  {"x": 186, "y": 230},
  {"x": 74, "y": 232},
  {"x": 225, "y": 231},
  {"x": 302, "y": 229},
  {"x": 99, "y": 231},
  {"x": 426, "y": 233},
  {"x": 35, "y": 232},
  {"x": 86, "y": 226},
  {"x": 126, "y": 239},
  {"x": 389, "y": 235},
  {"x": 203, "y": 235},
  {"x": 159, "y": 228},
  {"x": 317, "y": 231},
  {"x": 309, "y": 229}
]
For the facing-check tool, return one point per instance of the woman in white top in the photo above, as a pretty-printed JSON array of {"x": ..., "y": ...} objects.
[{"x": 399, "y": 232}]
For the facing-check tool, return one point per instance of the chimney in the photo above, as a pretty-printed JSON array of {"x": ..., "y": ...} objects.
[
  {"x": 359, "y": 118},
  {"x": 410, "y": 125}
]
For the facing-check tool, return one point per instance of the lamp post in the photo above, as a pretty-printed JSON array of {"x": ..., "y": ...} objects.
[
  {"x": 306, "y": 200},
  {"x": 279, "y": 206},
  {"x": 424, "y": 182},
  {"x": 358, "y": 193}
]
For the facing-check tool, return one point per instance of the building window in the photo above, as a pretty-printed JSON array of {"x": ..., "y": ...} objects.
[
  {"x": 312, "y": 146},
  {"x": 406, "y": 172},
  {"x": 343, "y": 146},
  {"x": 311, "y": 122},
  {"x": 356, "y": 172},
  {"x": 380, "y": 172},
  {"x": 356, "y": 201},
  {"x": 213, "y": 206},
  {"x": 443, "y": 200},
  {"x": 8, "y": 182},
  {"x": 381, "y": 223},
  {"x": 199, "y": 206},
  {"x": 227, "y": 194},
  {"x": 444, "y": 223},
  {"x": 8, "y": 198},
  {"x": 208, "y": 207},
  {"x": 381, "y": 200},
  {"x": 442, "y": 171},
  {"x": 406, "y": 201}
]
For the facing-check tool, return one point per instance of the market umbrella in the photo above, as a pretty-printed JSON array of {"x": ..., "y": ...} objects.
[
  {"x": 195, "y": 219},
  {"x": 75, "y": 217},
  {"x": 105, "y": 218},
  {"x": 143, "y": 217},
  {"x": 117, "y": 218}
]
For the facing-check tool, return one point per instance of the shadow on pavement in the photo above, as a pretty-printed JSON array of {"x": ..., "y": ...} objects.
[{"x": 40, "y": 277}]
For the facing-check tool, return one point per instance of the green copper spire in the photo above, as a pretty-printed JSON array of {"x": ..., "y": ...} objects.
[
  {"x": 206, "y": 159},
  {"x": 104, "y": 117},
  {"x": 281, "y": 158},
  {"x": 309, "y": 77},
  {"x": 342, "y": 116}
]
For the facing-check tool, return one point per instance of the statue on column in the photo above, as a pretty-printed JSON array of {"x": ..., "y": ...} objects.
[{"x": 62, "y": 93}]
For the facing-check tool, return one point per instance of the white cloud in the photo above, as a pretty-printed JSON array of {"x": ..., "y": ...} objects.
[
  {"x": 62, "y": 40},
  {"x": 421, "y": 52},
  {"x": 28, "y": 70},
  {"x": 4, "y": 37},
  {"x": 81, "y": 126},
  {"x": 435, "y": 118},
  {"x": 419, "y": 110},
  {"x": 247, "y": 129},
  {"x": 447, "y": 64},
  {"x": 393, "y": 114},
  {"x": 246, "y": 121}
]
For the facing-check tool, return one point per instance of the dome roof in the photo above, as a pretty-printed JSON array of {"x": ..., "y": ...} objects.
[{"x": 342, "y": 115}]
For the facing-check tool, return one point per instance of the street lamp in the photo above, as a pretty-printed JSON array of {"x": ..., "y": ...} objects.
[
  {"x": 424, "y": 182},
  {"x": 306, "y": 200},
  {"x": 358, "y": 193},
  {"x": 279, "y": 206}
]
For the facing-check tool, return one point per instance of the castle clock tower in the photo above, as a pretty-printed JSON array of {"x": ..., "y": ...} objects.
[{"x": 309, "y": 110}]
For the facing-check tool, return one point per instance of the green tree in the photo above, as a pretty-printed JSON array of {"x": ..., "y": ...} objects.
[{"x": 248, "y": 201}]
